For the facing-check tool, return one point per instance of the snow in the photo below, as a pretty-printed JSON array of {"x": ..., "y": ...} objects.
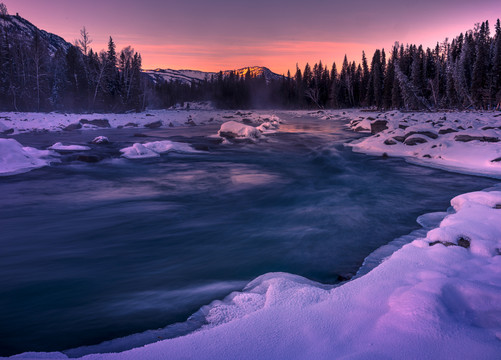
[
  {"x": 61, "y": 147},
  {"x": 235, "y": 130},
  {"x": 462, "y": 141},
  {"x": 154, "y": 149},
  {"x": 16, "y": 159},
  {"x": 20, "y": 122}
]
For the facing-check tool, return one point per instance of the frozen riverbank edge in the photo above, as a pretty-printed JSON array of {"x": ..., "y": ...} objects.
[{"x": 436, "y": 297}]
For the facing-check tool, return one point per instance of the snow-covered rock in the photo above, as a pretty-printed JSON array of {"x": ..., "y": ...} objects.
[
  {"x": 154, "y": 149},
  {"x": 101, "y": 140},
  {"x": 236, "y": 130},
  {"x": 16, "y": 159},
  {"x": 59, "y": 146}
]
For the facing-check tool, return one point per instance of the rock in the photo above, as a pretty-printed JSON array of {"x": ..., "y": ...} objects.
[
  {"x": 344, "y": 277},
  {"x": 102, "y": 123},
  {"x": 385, "y": 156},
  {"x": 465, "y": 242},
  {"x": 412, "y": 141},
  {"x": 101, "y": 140},
  {"x": 369, "y": 118},
  {"x": 360, "y": 128},
  {"x": 378, "y": 126},
  {"x": 467, "y": 138},
  {"x": 399, "y": 138},
  {"x": 154, "y": 125},
  {"x": 131, "y": 124},
  {"x": 429, "y": 134},
  {"x": 444, "y": 243},
  {"x": 72, "y": 127},
  {"x": 496, "y": 160},
  {"x": 7, "y": 132},
  {"x": 403, "y": 127},
  {"x": 149, "y": 115},
  {"x": 428, "y": 156},
  {"x": 446, "y": 131},
  {"x": 247, "y": 121},
  {"x": 389, "y": 142}
]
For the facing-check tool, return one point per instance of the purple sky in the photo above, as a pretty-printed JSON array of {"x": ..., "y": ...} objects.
[{"x": 221, "y": 34}]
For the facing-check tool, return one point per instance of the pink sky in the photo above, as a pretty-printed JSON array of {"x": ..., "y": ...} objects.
[{"x": 222, "y": 34}]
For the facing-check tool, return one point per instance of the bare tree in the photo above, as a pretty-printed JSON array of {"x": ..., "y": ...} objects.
[
  {"x": 84, "y": 42},
  {"x": 3, "y": 10}
]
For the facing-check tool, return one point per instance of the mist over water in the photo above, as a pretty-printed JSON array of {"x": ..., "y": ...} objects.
[{"x": 92, "y": 252}]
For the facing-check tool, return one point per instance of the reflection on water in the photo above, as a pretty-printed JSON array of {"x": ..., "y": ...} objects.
[{"x": 94, "y": 252}]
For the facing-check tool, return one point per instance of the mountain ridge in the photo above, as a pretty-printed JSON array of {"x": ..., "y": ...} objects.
[
  {"x": 18, "y": 26},
  {"x": 189, "y": 76}
]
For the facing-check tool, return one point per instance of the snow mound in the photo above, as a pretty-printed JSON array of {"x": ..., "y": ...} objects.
[
  {"x": 61, "y": 147},
  {"x": 154, "y": 149},
  {"x": 236, "y": 130},
  {"x": 16, "y": 159}
]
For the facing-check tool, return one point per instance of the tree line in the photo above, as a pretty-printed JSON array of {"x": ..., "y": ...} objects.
[{"x": 462, "y": 74}]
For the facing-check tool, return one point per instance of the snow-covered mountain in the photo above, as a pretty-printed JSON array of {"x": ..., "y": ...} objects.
[
  {"x": 189, "y": 76},
  {"x": 16, "y": 26}
]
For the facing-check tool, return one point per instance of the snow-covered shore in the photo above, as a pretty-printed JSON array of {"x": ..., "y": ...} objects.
[
  {"x": 16, "y": 158},
  {"x": 438, "y": 297},
  {"x": 468, "y": 142}
]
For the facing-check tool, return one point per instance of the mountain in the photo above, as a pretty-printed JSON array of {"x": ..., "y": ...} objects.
[
  {"x": 14, "y": 25},
  {"x": 189, "y": 76}
]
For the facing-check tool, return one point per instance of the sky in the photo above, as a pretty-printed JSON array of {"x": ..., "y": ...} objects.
[{"x": 213, "y": 35}]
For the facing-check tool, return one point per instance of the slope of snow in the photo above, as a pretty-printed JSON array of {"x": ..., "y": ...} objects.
[{"x": 16, "y": 159}]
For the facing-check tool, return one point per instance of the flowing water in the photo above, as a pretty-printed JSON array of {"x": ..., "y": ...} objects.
[{"x": 92, "y": 252}]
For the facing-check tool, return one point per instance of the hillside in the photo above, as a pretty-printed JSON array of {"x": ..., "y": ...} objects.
[
  {"x": 22, "y": 29},
  {"x": 189, "y": 76}
]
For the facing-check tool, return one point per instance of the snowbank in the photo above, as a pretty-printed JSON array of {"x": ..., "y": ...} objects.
[
  {"x": 438, "y": 297},
  {"x": 20, "y": 122},
  {"x": 16, "y": 159},
  {"x": 154, "y": 149},
  {"x": 464, "y": 142}
]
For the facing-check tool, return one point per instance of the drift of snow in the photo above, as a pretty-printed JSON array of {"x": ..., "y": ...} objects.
[
  {"x": 154, "y": 149},
  {"x": 16, "y": 159},
  {"x": 60, "y": 146}
]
